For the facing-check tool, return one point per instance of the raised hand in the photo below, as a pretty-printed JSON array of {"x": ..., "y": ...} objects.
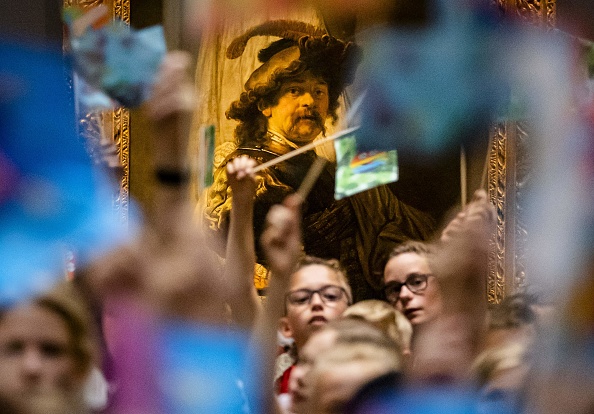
[
  {"x": 240, "y": 255},
  {"x": 281, "y": 240},
  {"x": 173, "y": 89},
  {"x": 242, "y": 179},
  {"x": 477, "y": 217},
  {"x": 445, "y": 348}
]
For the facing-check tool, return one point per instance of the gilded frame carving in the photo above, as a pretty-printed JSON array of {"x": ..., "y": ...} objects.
[
  {"x": 508, "y": 174},
  {"x": 109, "y": 126},
  {"x": 509, "y": 167}
]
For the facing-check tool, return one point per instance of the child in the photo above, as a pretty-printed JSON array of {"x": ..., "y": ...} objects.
[
  {"x": 47, "y": 349},
  {"x": 318, "y": 292}
]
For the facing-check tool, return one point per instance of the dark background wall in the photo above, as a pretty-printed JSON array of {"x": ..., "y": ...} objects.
[
  {"x": 576, "y": 17},
  {"x": 34, "y": 19}
]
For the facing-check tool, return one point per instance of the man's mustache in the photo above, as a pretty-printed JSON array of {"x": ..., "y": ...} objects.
[{"x": 313, "y": 116}]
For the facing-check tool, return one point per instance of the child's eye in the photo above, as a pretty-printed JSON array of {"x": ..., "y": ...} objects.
[
  {"x": 14, "y": 347},
  {"x": 52, "y": 350},
  {"x": 299, "y": 297},
  {"x": 331, "y": 297}
]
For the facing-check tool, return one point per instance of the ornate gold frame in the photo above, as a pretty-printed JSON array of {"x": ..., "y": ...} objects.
[
  {"x": 508, "y": 173},
  {"x": 99, "y": 126}
]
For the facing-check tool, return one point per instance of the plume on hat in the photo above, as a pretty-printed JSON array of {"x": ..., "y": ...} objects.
[{"x": 286, "y": 29}]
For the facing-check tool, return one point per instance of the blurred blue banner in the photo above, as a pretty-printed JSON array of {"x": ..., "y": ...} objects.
[
  {"x": 50, "y": 195},
  {"x": 430, "y": 87},
  {"x": 204, "y": 370}
]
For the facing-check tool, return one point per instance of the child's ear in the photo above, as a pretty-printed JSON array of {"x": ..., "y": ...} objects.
[{"x": 284, "y": 327}]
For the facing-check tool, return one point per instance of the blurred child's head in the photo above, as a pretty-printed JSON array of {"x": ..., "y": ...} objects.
[
  {"x": 47, "y": 345},
  {"x": 338, "y": 373},
  {"x": 383, "y": 316},
  {"x": 345, "y": 331}
]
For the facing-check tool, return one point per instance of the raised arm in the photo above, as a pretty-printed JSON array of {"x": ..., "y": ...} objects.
[
  {"x": 281, "y": 241},
  {"x": 169, "y": 110},
  {"x": 240, "y": 257},
  {"x": 445, "y": 348},
  {"x": 184, "y": 277},
  {"x": 168, "y": 266}
]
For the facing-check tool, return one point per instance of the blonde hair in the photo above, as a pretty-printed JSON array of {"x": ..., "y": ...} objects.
[
  {"x": 383, "y": 316},
  {"x": 355, "y": 331},
  {"x": 493, "y": 360},
  {"x": 366, "y": 352},
  {"x": 371, "y": 361},
  {"x": 411, "y": 246}
]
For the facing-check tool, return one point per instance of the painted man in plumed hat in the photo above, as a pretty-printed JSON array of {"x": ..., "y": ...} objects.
[{"x": 285, "y": 105}]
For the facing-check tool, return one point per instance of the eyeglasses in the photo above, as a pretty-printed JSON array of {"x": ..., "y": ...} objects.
[
  {"x": 416, "y": 283},
  {"x": 329, "y": 294}
]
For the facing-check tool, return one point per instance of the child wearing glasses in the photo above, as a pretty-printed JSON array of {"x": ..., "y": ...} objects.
[
  {"x": 409, "y": 284},
  {"x": 318, "y": 292}
]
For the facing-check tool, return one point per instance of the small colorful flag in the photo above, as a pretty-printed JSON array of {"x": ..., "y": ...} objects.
[{"x": 360, "y": 171}]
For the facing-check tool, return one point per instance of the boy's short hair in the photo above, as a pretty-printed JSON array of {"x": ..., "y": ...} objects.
[{"x": 411, "y": 246}]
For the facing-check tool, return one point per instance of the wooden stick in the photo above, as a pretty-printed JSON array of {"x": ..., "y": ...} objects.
[
  {"x": 312, "y": 176},
  {"x": 463, "y": 179},
  {"x": 305, "y": 148},
  {"x": 354, "y": 108}
]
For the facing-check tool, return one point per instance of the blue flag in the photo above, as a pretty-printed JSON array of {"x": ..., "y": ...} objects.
[
  {"x": 428, "y": 87},
  {"x": 50, "y": 195},
  {"x": 118, "y": 60}
]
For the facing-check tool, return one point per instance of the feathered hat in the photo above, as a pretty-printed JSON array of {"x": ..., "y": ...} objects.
[{"x": 328, "y": 57}]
